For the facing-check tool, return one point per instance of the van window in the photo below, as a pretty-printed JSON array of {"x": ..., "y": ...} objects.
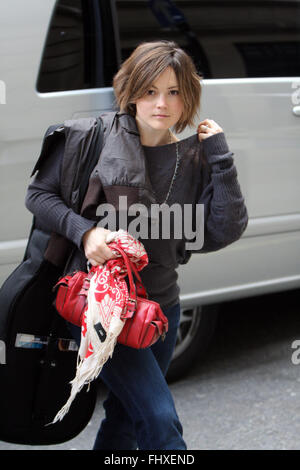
[
  {"x": 75, "y": 55},
  {"x": 227, "y": 39}
]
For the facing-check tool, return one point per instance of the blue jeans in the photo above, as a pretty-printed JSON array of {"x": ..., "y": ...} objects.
[{"x": 140, "y": 411}]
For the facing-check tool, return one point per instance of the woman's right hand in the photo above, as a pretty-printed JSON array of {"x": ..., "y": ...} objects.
[{"x": 95, "y": 248}]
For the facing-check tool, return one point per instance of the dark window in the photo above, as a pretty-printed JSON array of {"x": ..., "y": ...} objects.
[
  {"x": 227, "y": 39},
  {"x": 80, "y": 49}
]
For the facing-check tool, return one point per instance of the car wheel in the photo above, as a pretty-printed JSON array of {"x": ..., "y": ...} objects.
[{"x": 196, "y": 328}]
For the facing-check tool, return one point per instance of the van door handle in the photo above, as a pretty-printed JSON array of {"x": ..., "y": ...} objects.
[{"x": 296, "y": 110}]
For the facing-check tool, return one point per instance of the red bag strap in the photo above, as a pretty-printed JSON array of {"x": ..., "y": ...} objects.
[{"x": 137, "y": 288}]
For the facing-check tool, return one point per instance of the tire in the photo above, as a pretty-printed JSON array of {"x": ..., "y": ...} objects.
[{"x": 195, "y": 332}]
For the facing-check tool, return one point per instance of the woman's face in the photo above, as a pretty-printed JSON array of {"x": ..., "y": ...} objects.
[{"x": 161, "y": 107}]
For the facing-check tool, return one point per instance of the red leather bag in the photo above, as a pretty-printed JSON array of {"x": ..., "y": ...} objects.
[
  {"x": 144, "y": 320},
  {"x": 71, "y": 296}
]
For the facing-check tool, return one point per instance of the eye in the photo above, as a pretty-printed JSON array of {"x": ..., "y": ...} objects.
[
  {"x": 150, "y": 92},
  {"x": 174, "y": 92}
]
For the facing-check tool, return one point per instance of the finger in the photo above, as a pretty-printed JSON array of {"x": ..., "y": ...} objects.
[
  {"x": 216, "y": 125},
  {"x": 94, "y": 262},
  {"x": 203, "y": 130},
  {"x": 207, "y": 122},
  {"x": 212, "y": 125},
  {"x": 106, "y": 252},
  {"x": 99, "y": 256},
  {"x": 100, "y": 253},
  {"x": 202, "y": 123},
  {"x": 203, "y": 126},
  {"x": 99, "y": 260},
  {"x": 202, "y": 136}
]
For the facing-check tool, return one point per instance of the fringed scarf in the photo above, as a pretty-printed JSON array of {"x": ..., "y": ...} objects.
[{"x": 102, "y": 320}]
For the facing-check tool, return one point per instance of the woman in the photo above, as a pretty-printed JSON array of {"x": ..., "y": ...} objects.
[{"x": 157, "y": 88}]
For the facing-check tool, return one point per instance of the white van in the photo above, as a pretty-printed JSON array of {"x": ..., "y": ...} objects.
[{"x": 57, "y": 59}]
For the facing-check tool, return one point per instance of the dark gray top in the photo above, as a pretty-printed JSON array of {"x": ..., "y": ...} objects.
[{"x": 225, "y": 212}]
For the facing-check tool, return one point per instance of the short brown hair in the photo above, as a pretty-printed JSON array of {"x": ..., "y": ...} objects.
[{"x": 145, "y": 64}]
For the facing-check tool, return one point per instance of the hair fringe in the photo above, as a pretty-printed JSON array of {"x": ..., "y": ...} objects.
[{"x": 145, "y": 64}]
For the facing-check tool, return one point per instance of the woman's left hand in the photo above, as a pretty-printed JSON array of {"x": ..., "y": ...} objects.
[{"x": 207, "y": 128}]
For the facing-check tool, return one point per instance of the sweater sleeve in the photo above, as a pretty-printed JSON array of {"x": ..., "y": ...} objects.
[
  {"x": 225, "y": 213},
  {"x": 44, "y": 200}
]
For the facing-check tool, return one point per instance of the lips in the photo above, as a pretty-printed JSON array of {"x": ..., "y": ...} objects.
[{"x": 161, "y": 115}]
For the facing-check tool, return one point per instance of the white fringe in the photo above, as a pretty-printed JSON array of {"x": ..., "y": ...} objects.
[{"x": 89, "y": 369}]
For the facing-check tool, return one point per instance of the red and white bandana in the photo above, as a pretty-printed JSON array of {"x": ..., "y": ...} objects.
[{"x": 106, "y": 303}]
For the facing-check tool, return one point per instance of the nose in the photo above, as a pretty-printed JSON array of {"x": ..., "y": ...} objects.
[{"x": 161, "y": 101}]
